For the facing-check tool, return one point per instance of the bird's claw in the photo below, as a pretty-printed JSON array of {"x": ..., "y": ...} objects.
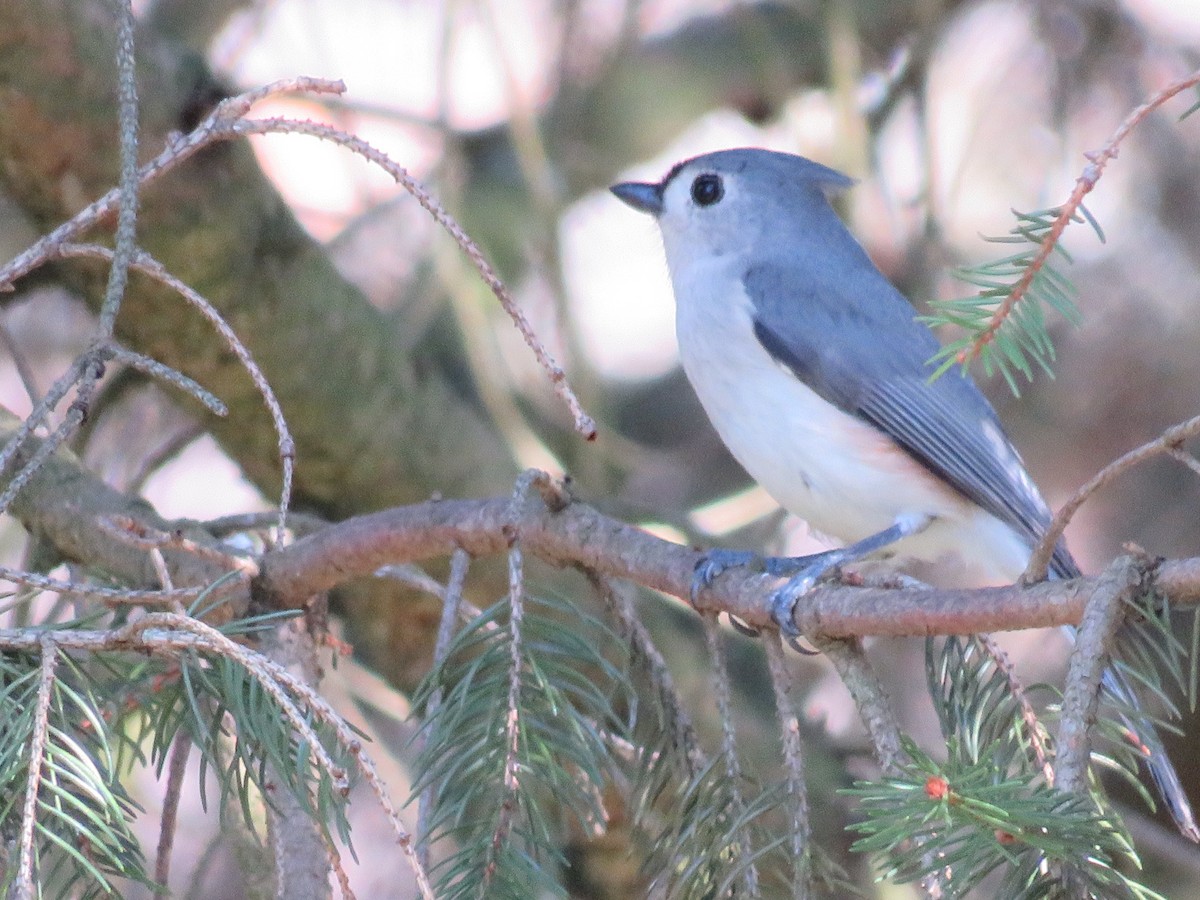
[
  {"x": 741, "y": 627},
  {"x": 716, "y": 561},
  {"x": 783, "y": 603}
]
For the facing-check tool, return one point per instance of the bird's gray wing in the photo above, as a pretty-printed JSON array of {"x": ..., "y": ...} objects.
[{"x": 871, "y": 360}]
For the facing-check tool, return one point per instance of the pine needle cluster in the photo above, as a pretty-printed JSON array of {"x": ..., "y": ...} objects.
[
  {"x": 92, "y": 711},
  {"x": 1005, "y": 322},
  {"x": 989, "y": 813}
]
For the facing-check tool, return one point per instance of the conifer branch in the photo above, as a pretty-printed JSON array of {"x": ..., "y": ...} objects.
[
  {"x": 1004, "y": 322},
  {"x": 1069, "y": 210}
]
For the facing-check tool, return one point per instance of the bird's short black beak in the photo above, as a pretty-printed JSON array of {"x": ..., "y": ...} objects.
[{"x": 647, "y": 198}]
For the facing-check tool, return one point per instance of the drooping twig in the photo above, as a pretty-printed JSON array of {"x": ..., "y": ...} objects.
[
  {"x": 147, "y": 265},
  {"x": 213, "y": 128},
  {"x": 793, "y": 762},
  {"x": 452, "y": 597},
  {"x": 89, "y": 375},
  {"x": 583, "y": 423},
  {"x": 226, "y": 122},
  {"x": 1033, "y": 728},
  {"x": 516, "y": 650},
  {"x": 24, "y": 887},
  {"x": 619, "y": 600},
  {"x": 870, "y": 699},
  {"x": 127, "y": 116},
  {"x": 719, "y": 673},
  {"x": 163, "y": 372},
  {"x": 176, "y": 769}
]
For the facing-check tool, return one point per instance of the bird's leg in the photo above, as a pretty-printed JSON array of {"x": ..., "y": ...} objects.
[
  {"x": 783, "y": 601},
  {"x": 718, "y": 560}
]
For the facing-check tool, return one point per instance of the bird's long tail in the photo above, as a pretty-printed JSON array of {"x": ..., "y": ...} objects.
[{"x": 1145, "y": 736}]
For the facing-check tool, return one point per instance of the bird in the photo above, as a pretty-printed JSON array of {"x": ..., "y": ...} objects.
[{"x": 816, "y": 374}]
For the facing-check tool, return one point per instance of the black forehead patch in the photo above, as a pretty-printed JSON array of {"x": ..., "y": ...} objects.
[{"x": 672, "y": 172}]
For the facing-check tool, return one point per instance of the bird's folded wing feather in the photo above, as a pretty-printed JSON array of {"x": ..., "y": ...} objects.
[{"x": 871, "y": 361}]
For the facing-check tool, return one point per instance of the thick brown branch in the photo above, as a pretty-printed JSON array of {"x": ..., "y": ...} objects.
[
  {"x": 69, "y": 507},
  {"x": 578, "y": 535}
]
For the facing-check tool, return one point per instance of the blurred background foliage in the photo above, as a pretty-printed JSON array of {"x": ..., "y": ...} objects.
[{"x": 401, "y": 376}]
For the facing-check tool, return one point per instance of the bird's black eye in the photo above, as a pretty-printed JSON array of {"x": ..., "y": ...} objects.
[{"x": 707, "y": 189}]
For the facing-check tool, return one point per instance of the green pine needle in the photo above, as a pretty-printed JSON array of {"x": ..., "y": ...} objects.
[
  {"x": 500, "y": 842},
  {"x": 987, "y": 810},
  {"x": 1022, "y": 343}
]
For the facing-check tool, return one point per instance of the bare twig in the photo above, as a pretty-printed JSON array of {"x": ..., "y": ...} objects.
[
  {"x": 42, "y": 409},
  {"x": 617, "y": 597},
  {"x": 89, "y": 366},
  {"x": 107, "y": 594},
  {"x": 300, "y": 523},
  {"x": 138, "y": 534},
  {"x": 870, "y": 699},
  {"x": 176, "y": 770},
  {"x": 459, "y": 562},
  {"x": 147, "y": 265},
  {"x": 1033, "y": 727},
  {"x": 1097, "y": 160},
  {"x": 584, "y": 424},
  {"x": 126, "y": 233},
  {"x": 24, "y": 887},
  {"x": 1168, "y": 442},
  {"x": 516, "y": 648},
  {"x": 370, "y": 775},
  {"x": 452, "y": 598},
  {"x": 793, "y": 762},
  {"x": 719, "y": 672},
  {"x": 339, "y": 870},
  {"x": 89, "y": 374},
  {"x": 165, "y": 373},
  {"x": 416, "y": 577},
  {"x": 213, "y": 128}
]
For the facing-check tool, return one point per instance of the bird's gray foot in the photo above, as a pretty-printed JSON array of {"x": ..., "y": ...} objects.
[{"x": 716, "y": 561}]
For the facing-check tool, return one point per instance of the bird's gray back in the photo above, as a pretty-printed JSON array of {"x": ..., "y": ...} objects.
[{"x": 828, "y": 314}]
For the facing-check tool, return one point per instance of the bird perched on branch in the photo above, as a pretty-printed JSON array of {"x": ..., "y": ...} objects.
[{"x": 816, "y": 375}]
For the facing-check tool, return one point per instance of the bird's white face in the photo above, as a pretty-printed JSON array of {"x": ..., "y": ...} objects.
[{"x": 706, "y": 213}]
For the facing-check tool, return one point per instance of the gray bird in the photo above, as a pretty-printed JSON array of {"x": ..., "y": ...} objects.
[{"x": 815, "y": 374}]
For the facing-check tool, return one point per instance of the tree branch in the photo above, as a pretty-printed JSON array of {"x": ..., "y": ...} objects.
[
  {"x": 75, "y": 511},
  {"x": 1081, "y": 695},
  {"x": 578, "y": 535}
]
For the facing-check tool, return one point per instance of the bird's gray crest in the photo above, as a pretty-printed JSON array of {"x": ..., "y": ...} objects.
[{"x": 768, "y": 164}]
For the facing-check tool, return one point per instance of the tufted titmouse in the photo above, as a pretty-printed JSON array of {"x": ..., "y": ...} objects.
[{"x": 815, "y": 373}]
